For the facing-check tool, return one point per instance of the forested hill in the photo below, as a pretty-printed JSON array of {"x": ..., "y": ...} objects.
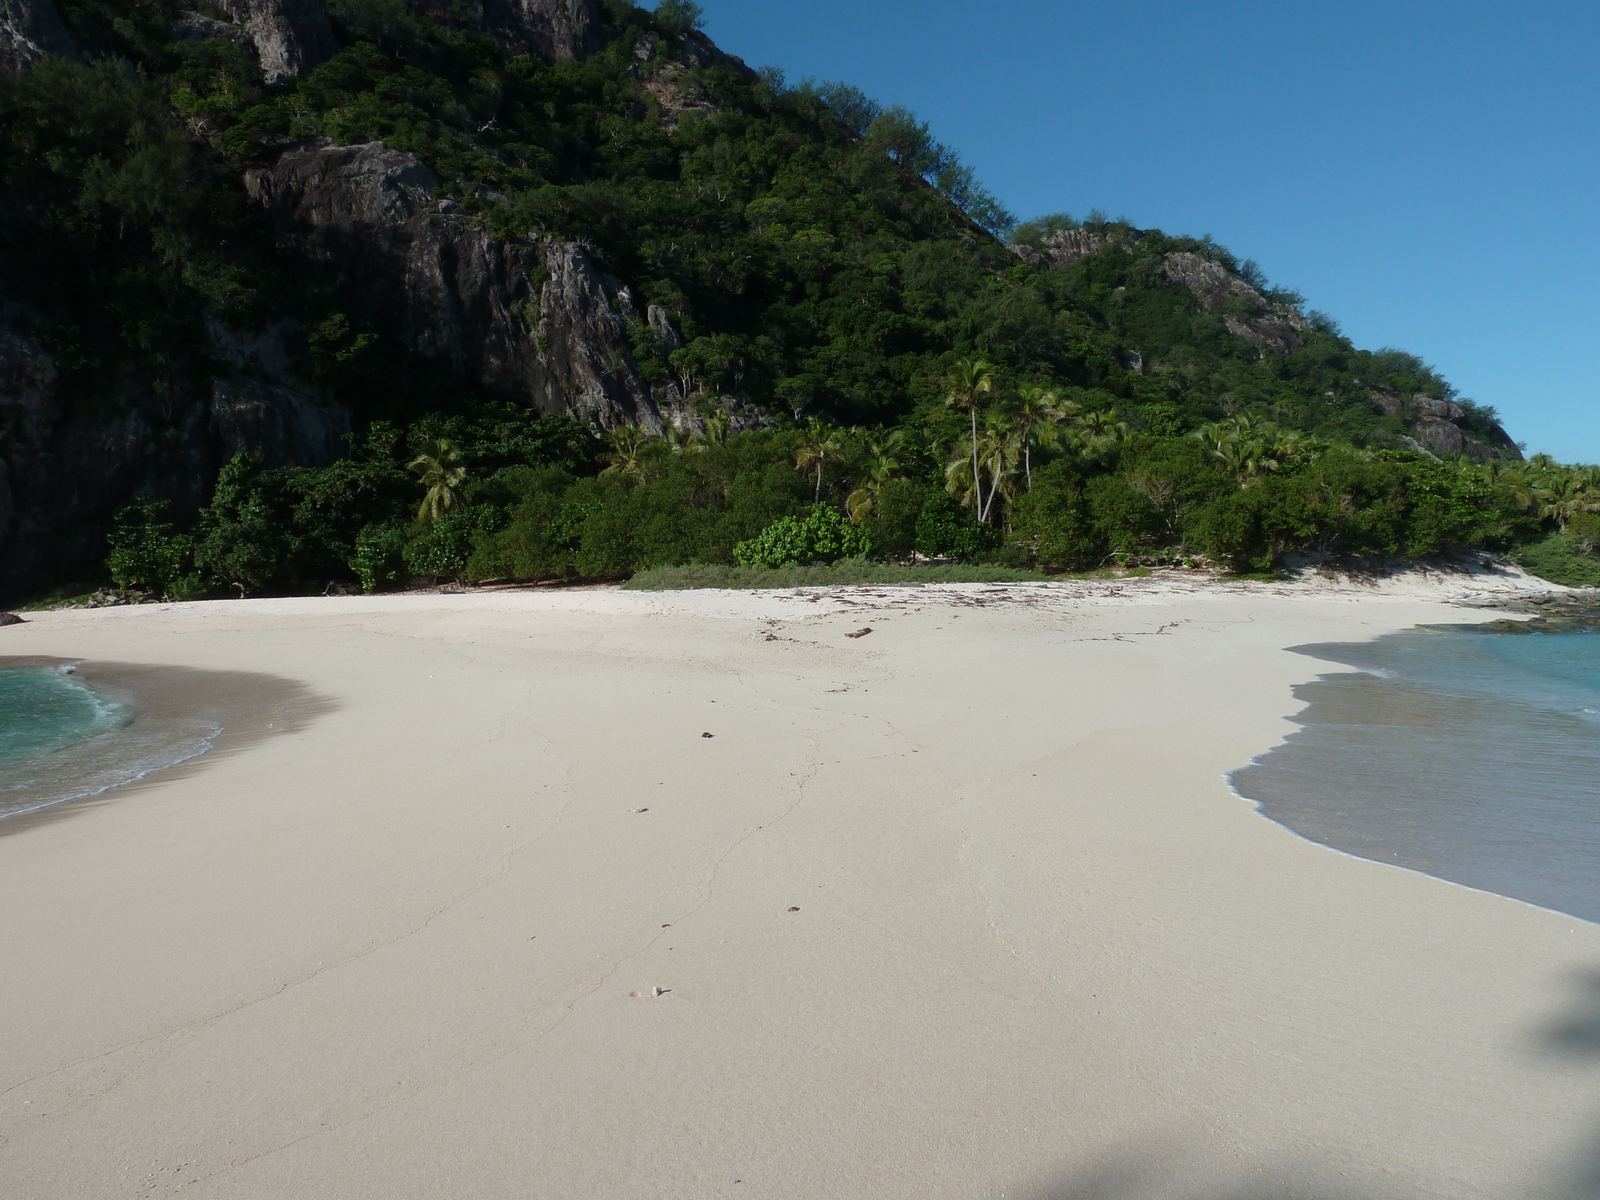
[{"x": 272, "y": 271}]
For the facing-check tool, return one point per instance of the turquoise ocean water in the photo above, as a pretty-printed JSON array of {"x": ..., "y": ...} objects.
[
  {"x": 1471, "y": 756},
  {"x": 62, "y": 740}
]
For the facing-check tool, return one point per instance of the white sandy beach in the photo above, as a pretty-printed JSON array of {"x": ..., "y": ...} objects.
[{"x": 961, "y": 908}]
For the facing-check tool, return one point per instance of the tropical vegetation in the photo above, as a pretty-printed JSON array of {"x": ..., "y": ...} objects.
[{"x": 928, "y": 383}]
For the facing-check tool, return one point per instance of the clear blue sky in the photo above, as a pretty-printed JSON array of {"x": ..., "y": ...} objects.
[{"x": 1427, "y": 173}]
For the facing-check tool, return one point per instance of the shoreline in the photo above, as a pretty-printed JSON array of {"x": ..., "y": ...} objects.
[
  {"x": 169, "y": 707},
  {"x": 963, "y": 907},
  {"x": 1441, "y": 752}
]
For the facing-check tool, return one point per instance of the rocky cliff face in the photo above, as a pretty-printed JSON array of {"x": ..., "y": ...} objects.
[
  {"x": 293, "y": 36},
  {"x": 1246, "y": 312},
  {"x": 1061, "y": 247},
  {"x": 552, "y": 30},
  {"x": 290, "y": 36},
  {"x": 30, "y": 29},
  {"x": 69, "y": 459},
  {"x": 532, "y": 322}
]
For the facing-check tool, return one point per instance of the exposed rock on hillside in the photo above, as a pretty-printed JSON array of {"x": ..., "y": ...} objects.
[
  {"x": 553, "y": 30},
  {"x": 535, "y": 323},
  {"x": 1061, "y": 247},
  {"x": 670, "y": 79},
  {"x": 1439, "y": 428},
  {"x": 1246, "y": 312},
  {"x": 60, "y": 474},
  {"x": 291, "y": 36},
  {"x": 30, "y": 29},
  {"x": 259, "y": 406}
]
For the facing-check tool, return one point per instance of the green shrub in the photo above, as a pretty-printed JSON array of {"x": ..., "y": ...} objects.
[
  {"x": 946, "y": 530},
  {"x": 892, "y": 523},
  {"x": 442, "y": 549},
  {"x": 1052, "y": 527},
  {"x": 823, "y": 535},
  {"x": 379, "y": 560},
  {"x": 146, "y": 556}
]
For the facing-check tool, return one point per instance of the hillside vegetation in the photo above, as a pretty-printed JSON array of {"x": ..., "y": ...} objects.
[{"x": 854, "y": 348}]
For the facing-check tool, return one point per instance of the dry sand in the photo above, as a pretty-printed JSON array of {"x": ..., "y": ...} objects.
[{"x": 962, "y": 908}]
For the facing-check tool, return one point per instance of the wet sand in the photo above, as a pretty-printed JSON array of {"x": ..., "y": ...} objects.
[{"x": 960, "y": 908}]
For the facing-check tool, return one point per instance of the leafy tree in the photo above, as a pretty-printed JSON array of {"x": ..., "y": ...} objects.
[
  {"x": 878, "y": 465},
  {"x": 945, "y": 530},
  {"x": 146, "y": 556}
]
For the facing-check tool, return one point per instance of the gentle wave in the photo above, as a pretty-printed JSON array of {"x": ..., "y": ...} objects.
[
  {"x": 1471, "y": 757},
  {"x": 61, "y": 740}
]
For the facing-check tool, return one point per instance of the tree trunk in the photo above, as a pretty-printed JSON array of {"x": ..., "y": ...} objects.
[{"x": 977, "y": 480}]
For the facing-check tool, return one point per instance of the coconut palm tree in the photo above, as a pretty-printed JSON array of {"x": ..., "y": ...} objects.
[
  {"x": 1099, "y": 432},
  {"x": 1252, "y": 449},
  {"x": 818, "y": 445},
  {"x": 879, "y": 463},
  {"x": 1566, "y": 495},
  {"x": 717, "y": 424},
  {"x": 627, "y": 451},
  {"x": 1000, "y": 449},
  {"x": 968, "y": 382},
  {"x": 1039, "y": 412},
  {"x": 441, "y": 471},
  {"x": 679, "y": 442}
]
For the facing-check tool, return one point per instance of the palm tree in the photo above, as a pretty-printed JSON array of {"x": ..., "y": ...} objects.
[
  {"x": 679, "y": 442},
  {"x": 879, "y": 463},
  {"x": 1000, "y": 447},
  {"x": 1039, "y": 412},
  {"x": 441, "y": 471},
  {"x": 627, "y": 451},
  {"x": 1565, "y": 496},
  {"x": 819, "y": 444},
  {"x": 1251, "y": 449},
  {"x": 969, "y": 381},
  {"x": 716, "y": 433},
  {"x": 1098, "y": 432}
]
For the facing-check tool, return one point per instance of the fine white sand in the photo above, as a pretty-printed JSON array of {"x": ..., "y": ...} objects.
[{"x": 961, "y": 908}]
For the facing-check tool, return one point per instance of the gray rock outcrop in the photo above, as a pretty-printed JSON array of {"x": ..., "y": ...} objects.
[
  {"x": 534, "y": 322},
  {"x": 261, "y": 408},
  {"x": 552, "y": 30},
  {"x": 1439, "y": 428},
  {"x": 30, "y": 29},
  {"x": 195, "y": 27},
  {"x": 290, "y": 36},
  {"x": 1245, "y": 311},
  {"x": 1060, "y": 247}
]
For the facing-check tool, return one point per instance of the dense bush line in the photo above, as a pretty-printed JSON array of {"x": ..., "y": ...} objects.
[{"x": 1043, "y": 486}]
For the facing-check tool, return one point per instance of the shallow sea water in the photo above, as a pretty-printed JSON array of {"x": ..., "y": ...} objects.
[
  {"x": 1471, "y": 756},
  {"x": 62, "y": 740}
]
